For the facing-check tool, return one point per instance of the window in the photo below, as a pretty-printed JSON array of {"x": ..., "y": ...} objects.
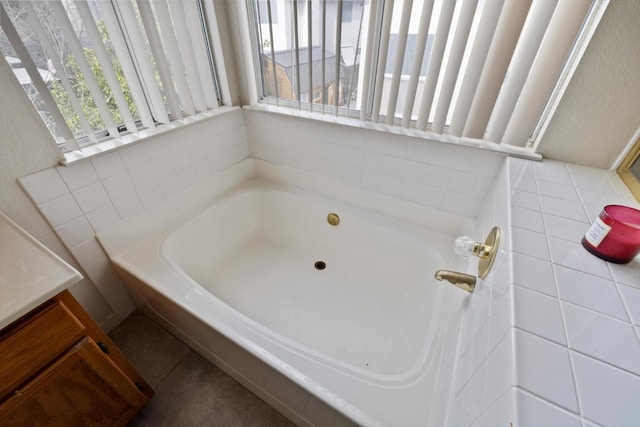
[
  {"x": 475, "y": 70},
  {"x": 347, "y": 11},
  {"x": 629, "y": 170},
  {"x": 311, "y": 58},
  {"x": 263, "y": 12},
  {"x": 97, "y": 69}
]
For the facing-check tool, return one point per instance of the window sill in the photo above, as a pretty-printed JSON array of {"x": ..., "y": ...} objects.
[
  {"x": 511, "y": 150},
  {"x": 114, "y": 144}
]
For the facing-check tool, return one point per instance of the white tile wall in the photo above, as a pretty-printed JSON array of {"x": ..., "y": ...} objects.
[
  {"x": 543, "y": 368},
  {"x": 118, "y": 185},
  {"x": 486, "y": 343},
  {"x": 533, "y": 273},
  {"x": 499, "y": 370},
  {"x": 128, "y": 206},
  {"x": 61, "y": 210},
  {"x": 45, "y": 185},
  {"x": 91, "y": 197},
  {"x": 500, "y": 414},
  {"x": 573, "y": 317},
  {"x": 572, "y": 255},
  {"x": 88, "y": 197},
  {"x": 626, "y": 274},
  {"x": 535, "y": 412},
  {"x": 538, "y": 313},
  {"x": 608, "y": 395},
  {"x": 451, "y": 178},
  {"x": 79, "y": 175},
  {"x": 632, "y": 298},
  {"x": 530, "y": 243},
  {"x": 588, "y": 291},
  {"x": 602, "y": 337}
]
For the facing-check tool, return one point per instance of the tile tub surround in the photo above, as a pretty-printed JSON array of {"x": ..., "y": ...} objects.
[
  {"x": 448, "y": 177},
  {"x": 90, "y": 196},
  {"x": 558, "y": 338}
]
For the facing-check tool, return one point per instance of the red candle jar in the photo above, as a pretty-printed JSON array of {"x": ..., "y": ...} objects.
[{"x": 615, "y": 234}]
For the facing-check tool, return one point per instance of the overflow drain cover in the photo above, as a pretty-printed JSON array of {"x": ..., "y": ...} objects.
[{"x": 320, "y": 265}]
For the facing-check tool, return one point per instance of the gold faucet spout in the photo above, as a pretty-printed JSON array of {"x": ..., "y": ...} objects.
[{"x": 463, "y": 281}]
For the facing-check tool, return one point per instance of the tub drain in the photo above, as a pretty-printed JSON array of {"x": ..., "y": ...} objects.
[{"x": 320, "y": 265}]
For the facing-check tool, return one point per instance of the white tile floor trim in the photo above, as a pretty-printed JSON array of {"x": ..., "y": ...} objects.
[{"x": 556, "y": 341}]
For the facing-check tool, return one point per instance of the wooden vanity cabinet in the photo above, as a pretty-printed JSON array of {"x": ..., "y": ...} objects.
[{"x": 57, "y": 367}]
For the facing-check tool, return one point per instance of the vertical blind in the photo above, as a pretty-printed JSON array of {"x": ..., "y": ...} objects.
[
  {"x": 142, "y": 63},
  {"x": 477, "y": 69}
]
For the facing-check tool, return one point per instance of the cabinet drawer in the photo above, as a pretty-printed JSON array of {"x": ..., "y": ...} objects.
[{"x": 29, "y": 345}]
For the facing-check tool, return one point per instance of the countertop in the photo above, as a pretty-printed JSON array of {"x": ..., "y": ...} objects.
[{"x": 30, "y": 273}]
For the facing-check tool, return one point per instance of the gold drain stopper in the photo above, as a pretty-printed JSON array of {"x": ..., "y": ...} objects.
[{"x": 333, "y": 219}]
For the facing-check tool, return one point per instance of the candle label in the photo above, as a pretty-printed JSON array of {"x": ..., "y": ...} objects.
[{"x": 598, "y": 231}]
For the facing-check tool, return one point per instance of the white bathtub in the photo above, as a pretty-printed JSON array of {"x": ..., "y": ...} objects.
[{"x": 370, "y": 339}]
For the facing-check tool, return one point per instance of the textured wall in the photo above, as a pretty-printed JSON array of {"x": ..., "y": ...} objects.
[
  {"x": 600, "y": 110},
  {"x": 25, "y": 148}
]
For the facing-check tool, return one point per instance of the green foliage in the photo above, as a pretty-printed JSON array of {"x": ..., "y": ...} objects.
[{"x": 84, "y": 95}]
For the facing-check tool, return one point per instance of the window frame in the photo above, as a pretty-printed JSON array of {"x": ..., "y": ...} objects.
[{"x": 630, "y": 180}]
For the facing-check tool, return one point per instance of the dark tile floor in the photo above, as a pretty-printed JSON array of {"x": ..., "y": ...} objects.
[{"x": 190, "y": 391}]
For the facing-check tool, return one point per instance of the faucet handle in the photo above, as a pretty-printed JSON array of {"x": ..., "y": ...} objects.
[{"x": 464, "y": 246}]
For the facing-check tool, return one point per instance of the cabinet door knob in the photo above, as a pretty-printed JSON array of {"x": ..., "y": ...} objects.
[{"x": 17, "y": 393}]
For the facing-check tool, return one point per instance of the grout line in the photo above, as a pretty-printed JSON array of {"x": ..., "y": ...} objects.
[
  {"x": 176, "y": 365},
  {"x": 571, "y": 349},
  {"x": 624, "y": 302},
  {"x": 580, "y": 199},
  {"x": 484, "y": 360},
  {"x": 550, "y": 341},
  {"x": 610, "y": 279},
  {"x": 512, "y": 406},
  {"x": 555, "y": 405},
  {"x": 626, "y": 371},
  {"x": 608, "y": 316},
  {"x": 543, "y": 233},
  {"x": 560, "y": 299}
]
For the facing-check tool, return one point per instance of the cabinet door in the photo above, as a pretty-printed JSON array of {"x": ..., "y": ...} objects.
[
  {"x": 82, "y": 388},
  {"x": 31, "y": 344},
  {"x": 98, "y": 335}
]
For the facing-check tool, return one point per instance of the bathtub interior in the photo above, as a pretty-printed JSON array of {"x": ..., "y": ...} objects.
[
  {"x": 176, "y": 257},
  {"x": 374, "y": 308}
]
